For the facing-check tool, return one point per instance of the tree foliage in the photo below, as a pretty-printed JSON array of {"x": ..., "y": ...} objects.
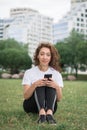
[
  {"x": 14, "y": 56},
  {"x": 73, "y": 51}
]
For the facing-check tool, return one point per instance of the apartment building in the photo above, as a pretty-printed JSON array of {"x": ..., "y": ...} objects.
[
  {"x": 3, "y": 24},
  {"x": 1, "y": 28},
  {"x": 29, "y": 27},
  {"x": 77, "y": 1},
  {"x": 76, "y": 19}
]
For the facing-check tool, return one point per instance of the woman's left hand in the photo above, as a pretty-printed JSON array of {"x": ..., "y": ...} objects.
[{"x": 51, "y": 83}]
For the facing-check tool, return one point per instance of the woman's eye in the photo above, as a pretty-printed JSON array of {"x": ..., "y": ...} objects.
[
  {"x": 45, "y": 54},
  {"x": 48, "y": 55},
  {"x": 42, "y": 54}
]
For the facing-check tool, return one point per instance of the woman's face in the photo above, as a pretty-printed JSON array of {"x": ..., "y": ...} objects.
[{"x": 44, "y": 56}]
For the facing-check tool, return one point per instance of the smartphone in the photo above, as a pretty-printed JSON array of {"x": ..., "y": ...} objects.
[{"x": 48, "y": 76}]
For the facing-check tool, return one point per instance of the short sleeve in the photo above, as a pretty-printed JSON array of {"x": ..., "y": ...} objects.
[
  {"x": 59, "y": 79},
  {"x": 26, "y": 79}
]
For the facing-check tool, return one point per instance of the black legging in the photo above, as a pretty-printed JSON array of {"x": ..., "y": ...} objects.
[{"x": 43, "y": 97}]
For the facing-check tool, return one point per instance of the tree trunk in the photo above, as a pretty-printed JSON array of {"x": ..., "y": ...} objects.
[
  {"x": 14, "y": 71},
  {"x": 76, "y": 70}
]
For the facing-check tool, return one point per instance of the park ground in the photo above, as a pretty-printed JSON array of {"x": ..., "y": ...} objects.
[{"x": 71, "y": 113}]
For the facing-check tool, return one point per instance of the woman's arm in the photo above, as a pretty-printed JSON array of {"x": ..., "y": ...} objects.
[
  {"x": 59, "y": 93},
  {"x": 28, "y": 90}
]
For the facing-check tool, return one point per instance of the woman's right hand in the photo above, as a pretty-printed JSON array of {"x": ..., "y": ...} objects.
[{"x": 40, "y": 83}]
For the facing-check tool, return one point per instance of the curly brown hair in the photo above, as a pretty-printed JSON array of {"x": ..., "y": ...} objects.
[{"x": 55, "y": 57}]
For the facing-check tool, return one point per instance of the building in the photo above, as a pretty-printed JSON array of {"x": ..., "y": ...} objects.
[
  {"x": 74, "y": 2},
  {"x": 1, "y": 28},
  {"x": 75, "y": 19},
  {"x": 3, "y": 24},
  {"x": 29, "y": 27},
  {"x": 60, "y": 31}
]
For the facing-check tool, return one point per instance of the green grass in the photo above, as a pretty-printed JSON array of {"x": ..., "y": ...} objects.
[{"x": 71, "y": 113}]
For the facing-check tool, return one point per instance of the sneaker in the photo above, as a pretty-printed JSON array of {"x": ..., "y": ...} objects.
[
  {"x": 50, "y": 119},
  {"x": 41, "y": 119}
]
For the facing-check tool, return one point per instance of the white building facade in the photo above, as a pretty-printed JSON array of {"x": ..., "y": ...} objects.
[
  {"x": 29, "y": 27},
  {"x": 1, "y": 28},
  {"x": 3, "y": 24},
  {"x": 74, "y": 2},
  {"x": 75, "y": 19}
]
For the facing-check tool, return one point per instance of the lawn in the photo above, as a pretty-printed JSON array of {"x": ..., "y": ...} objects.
[{"x": 71, "y": 113}]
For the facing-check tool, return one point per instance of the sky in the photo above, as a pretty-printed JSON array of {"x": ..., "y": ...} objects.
[{"x": 55, "y": 9}]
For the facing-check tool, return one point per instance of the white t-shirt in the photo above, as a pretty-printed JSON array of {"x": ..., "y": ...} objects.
[{"x": 34, "y": 74}]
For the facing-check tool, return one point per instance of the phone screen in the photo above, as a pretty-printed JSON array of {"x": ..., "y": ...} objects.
[{"x": 48, "y": 76}]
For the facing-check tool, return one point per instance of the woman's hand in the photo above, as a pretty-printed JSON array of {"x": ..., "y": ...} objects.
[
  {"x": 51, "y": 83},
  {"x": 40, "y": 83}
]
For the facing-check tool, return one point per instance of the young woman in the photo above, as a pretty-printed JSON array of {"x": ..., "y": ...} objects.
[{"x": 43, "y": 84}]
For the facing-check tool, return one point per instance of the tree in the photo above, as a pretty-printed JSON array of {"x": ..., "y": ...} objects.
[
  {"x": 14, "y": 56},
  {"x": 82, "y": 52},
  {"x": 64, "y": 52},
  {"x": 72, "y": 50},
  {"x": 9, "y": 43},
  {"x": 74, "y": 42}
]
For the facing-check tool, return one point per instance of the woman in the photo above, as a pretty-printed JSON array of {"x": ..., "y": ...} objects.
[{"x": 41, "y": 93}]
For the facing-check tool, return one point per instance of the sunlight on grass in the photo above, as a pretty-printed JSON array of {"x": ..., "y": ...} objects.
[{"x": 71, "y": 113}]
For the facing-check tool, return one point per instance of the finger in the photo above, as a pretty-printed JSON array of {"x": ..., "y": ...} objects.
[
  {"x": 50, "y": 79},
  {"x": 45, "y": 79}
]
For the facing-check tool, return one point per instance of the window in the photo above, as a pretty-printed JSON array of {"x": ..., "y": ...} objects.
[
  {"x": 82, "y": 25},
  {"x": 82, "y": 15},
  {"x": 77, "y": 24},
  {"x": 77, "y": 19},
  {"x": 82, "y": 30},
  {"x": 85, "y": 10},
  {"x": 77, "y": 29},
  {"x": 82, "y": 20}
]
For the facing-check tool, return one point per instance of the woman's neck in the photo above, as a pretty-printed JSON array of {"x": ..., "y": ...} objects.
[{"x": 43, "y": 68}]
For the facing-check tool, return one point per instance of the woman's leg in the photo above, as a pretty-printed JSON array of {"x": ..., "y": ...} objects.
[
  {"x": 51, "y": 100},
  {"x": 30, "y": 105},
  {"x": 45, "y": 98},
  {"x": 40, "y": 97},
  {"x": 51, "y": 103},
  {"x": 40, "y": 101}
]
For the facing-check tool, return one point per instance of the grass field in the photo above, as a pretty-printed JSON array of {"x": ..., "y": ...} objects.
[{"x": 71, "y": 113}]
